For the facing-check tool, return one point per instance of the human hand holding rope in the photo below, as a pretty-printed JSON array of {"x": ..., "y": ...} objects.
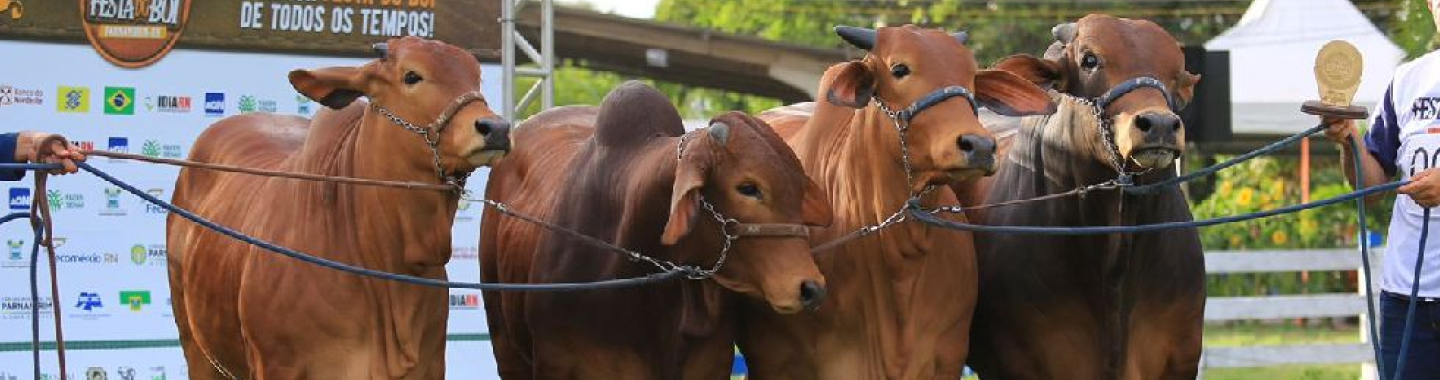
[
  {"x": 48, "y": 148},
  {"x": 1424, "y": 188}
]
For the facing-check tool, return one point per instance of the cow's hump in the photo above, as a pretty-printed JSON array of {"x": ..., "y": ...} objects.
[{"x": 635, "y": 112}]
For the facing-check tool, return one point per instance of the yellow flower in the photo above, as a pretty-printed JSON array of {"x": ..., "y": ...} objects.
[
  {"x": 1277, "y": 190},
  {"x": 1225, "y": 188},
  {"x": 1279, "y": 237},
  {"x": 1308, "y": 226},
  {"x": 1234, "y": 241},
  {"x": 1244, "y": 197}
]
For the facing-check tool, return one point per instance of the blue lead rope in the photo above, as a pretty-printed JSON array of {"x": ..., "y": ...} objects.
[
  {"x": 1365, "y": 256},
  {"x": 327, "y": 263}
]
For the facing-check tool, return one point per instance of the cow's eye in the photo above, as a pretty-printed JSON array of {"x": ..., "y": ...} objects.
[
  {"x": 1089, "y": 61},
  {"x": 899, "y": 70},
  {"x": 749, "y": 190},
  {"x": 412, "y": 78}
]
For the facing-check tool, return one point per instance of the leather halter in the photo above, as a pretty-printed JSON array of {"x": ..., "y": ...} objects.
[
  {"x": 902, "y": 118},
  {"x": 431, "y": 134},
  {"x": 930, "y": 100},
  {"x": 1135, "y": 84},
  {"x": 1107, "y": 135},
  {"x": 730, "y": 227}
]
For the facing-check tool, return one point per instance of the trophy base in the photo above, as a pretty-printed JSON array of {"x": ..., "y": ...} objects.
[{"x": 1315, "y": 107}]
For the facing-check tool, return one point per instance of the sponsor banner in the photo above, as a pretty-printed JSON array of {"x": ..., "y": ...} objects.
[
  {"x": 111, "y": 246},
  {"x": 138, "y": 33}
]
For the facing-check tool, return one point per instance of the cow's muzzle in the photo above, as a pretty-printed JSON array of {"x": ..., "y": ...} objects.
[{"x": 495, "y": 132}]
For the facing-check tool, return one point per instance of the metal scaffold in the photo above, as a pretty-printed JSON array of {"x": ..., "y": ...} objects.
[{"x": 544, "y": 58}]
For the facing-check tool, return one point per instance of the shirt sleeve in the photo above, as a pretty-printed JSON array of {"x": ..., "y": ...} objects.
[
  {"x": 1383, "y": 139},
  {"x": 7, "y": 156}
]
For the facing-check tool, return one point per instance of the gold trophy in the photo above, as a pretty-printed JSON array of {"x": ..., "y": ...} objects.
[{"x": 1337, "y": 74}]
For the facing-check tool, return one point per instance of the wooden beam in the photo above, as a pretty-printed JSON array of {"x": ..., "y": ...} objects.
[
  {"x": 1275, "y": 355},
  {"x": 1344, "y": 259},
  {"x": 1278, "y": 307}
]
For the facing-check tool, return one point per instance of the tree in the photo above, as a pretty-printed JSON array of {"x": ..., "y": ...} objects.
[{"x": 1414, "y": 29}]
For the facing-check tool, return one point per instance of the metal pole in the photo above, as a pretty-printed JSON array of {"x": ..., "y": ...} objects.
[
  {"x": 508, "y": 12},
  {"x": 547, "y": 51}
]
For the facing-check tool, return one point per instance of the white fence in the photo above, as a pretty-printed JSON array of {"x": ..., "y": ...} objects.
[{"x": 1219, "y": 309}]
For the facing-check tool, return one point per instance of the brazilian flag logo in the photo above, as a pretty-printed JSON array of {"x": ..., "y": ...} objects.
[{"x": 119, "y": 100}]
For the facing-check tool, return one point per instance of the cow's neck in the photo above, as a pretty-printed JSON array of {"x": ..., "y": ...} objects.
[
  {"x": 382, "y": 150},
  {"x": 855, "y": 156},
  {"x": 1062, "y": 152},
  {"x": 648, "y": 199}
]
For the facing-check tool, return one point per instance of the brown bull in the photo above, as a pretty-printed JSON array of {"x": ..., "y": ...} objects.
[
  {"x": 613, "y": 173},
  {"x": 900, "y": 302},
  {"x": 1123, "y": 306},
  {"x": 246, "y": 313}
]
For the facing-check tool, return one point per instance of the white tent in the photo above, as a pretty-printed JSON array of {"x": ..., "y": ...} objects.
[{"x": 1272, "y": 56}]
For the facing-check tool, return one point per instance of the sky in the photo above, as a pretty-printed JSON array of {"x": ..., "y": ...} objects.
[{"x": 627, "y": 8}]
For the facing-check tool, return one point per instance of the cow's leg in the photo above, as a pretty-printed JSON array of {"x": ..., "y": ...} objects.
[
  {"x": 200, "y": 368},
  {"x": 1164, "y": 345}
]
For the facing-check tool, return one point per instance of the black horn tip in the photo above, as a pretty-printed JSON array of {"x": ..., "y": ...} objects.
[{"x": 859, "y": 37}]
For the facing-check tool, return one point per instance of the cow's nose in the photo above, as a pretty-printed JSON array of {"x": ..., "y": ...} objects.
[
  {"x": 1158, "y": 126},
  {"x": 811, "y": 294},
  {"x": 496, "y": 133},
  {"x": 979, "y": 150}
]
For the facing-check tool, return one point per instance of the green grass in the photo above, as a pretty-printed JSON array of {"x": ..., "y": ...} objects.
[
  {"x": 1255, "y": 334},
  {"x": 1247, "y": 335}
]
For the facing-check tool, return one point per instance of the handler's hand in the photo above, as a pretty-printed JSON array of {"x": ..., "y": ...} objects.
[
  {"x": 1339, "y": 130},
  {"x": 28, "y": 149},
  {"x": 1424, "y": 188}
]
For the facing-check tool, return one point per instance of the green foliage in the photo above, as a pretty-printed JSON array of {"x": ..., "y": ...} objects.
[
  {"x": 1415, "y": 29},
  {"x": 1268, "y": 183}
]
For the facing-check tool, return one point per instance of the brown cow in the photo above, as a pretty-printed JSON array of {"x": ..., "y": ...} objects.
[
  {"x": 251, "y": 314},
  {"x": 612, "y": 172},
  {"x": 900, "y": 302},
  {"x": 1124, "y": 306}
]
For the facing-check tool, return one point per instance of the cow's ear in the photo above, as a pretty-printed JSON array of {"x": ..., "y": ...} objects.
[
  {"x": 334, "y": 87},
  {"x": 1009, "y": 94},
  {"x": 815, "y": 209},
  {"x": 684, "y": 202},
  {"x": 851, "y": 84},
  {"x": 1040, "y": 71},
  {"x": 1185, "y": 88}
]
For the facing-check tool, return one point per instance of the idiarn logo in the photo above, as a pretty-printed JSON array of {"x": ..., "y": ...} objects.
[
  {"x": 464, "y": 301},
  {"x": 19, "y": 198}
]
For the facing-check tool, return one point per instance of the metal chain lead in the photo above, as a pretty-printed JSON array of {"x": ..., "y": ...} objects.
[
  {"x": 431, "y": 134},
  {"x": 901, "y": 126}
]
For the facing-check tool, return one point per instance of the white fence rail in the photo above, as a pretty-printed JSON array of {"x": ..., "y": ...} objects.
[{"x": 1219, "y": 309}]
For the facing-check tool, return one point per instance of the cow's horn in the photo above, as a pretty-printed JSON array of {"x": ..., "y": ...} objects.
[
  {"x": 381, "y": 49},
  {"x": 1065, "y": 33},
  {"x": 963, "y": 37},
  {"x": 720, "y": 132},
  {"x": 859, "y": 37}
]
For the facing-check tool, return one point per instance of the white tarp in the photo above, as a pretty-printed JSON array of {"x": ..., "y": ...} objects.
[
  {"x": 1272, "y": 57},
  {"x": 113, "y": 286}
]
